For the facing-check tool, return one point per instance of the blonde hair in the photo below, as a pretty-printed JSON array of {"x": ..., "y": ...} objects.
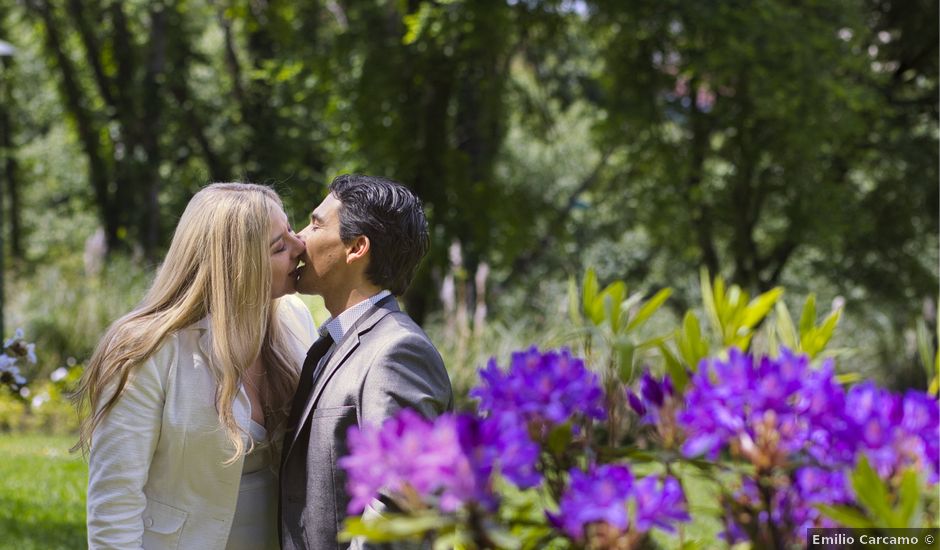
[{"x": 218, "y": 265}]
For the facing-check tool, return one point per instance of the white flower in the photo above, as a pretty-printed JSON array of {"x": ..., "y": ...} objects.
[
  {"x": 39, "y": 400},
  {"x": 58, "y": 374},
  {"x": 18, "y": 335},
  {"x": 7, "y": 362},
  {"x": 31, "y": 353}
]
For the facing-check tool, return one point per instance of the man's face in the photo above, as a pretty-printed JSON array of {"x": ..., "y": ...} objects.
[{"x": 325, "y": 258}]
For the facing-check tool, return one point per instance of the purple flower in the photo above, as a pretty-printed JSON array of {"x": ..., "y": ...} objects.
[
  {"x": 380, "y": 457},
  {"x": 784, "y": 416},
  {"x": 549, "y": 387},
  {"x": 598, "y": 495},
  {"x": 603, "y": 494},
  {"x": 651, "y": 390},
  {"x": 436, "y": 461},
  {"x": 767, "y": 411},
  {"x": 636, "y": 403},
  {"x": 501, "y": 443},
  {"x": 654, "y": 399},
  {"x": 794, "y": 502},
  {"x": 896, "y": 431},
  {"x": 922, "y": 419},
  {"x": 659, "y": 503}
]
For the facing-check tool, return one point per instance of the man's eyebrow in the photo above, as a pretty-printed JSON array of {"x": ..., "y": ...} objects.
[{"x": 315, "y": 217}]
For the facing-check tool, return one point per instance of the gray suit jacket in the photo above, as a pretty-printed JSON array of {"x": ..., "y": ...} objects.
[{"x": 383, "y": 364}]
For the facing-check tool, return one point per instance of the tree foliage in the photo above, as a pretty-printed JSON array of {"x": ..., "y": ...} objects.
[{"x": 755, "y": 139}]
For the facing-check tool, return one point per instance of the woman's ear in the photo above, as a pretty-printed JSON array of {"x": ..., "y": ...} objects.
[{"x": 358, "y": 249}]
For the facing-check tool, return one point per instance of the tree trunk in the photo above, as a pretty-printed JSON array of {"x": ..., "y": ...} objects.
[
  {"x": 150, "y": 130},
  {"x": 9, "y": 160},
  {"x": 87, "y": 130}
]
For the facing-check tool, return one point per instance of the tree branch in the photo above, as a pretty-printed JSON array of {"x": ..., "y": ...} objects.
[
  {"x": 523, "y": 260},
  {"x": 87, "y": 131}
]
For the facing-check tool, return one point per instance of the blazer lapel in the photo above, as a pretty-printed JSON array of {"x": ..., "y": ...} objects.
[{"x": 344, "y": 349}]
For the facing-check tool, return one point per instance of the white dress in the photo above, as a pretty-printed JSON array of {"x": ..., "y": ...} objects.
[{"x": 255, "y": 524}]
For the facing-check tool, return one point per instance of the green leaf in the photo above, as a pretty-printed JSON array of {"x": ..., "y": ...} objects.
[
  {"x": 634, "y": 300},
  {"x": 614, "y": 295},
  {"x": 691, "y": 344},
  {"x": 416, "y": 23},
  {"x": 635, "y": 455},
  {"x": 574, "y": 307},
  {"x": 708, "y": 299},
  {"x": 736, "y": 304},
  {"x": 808, "y": 318},
  {"x": 653, "y": 342},
  {"x": 589, "y": 289},
  {"x": 872, "y": 493},
  {"x": 846, "y": 516},
  {"x": 923, "y": 348},
  {"x": 597, "y": 310},
  {"x": 817, "y": 338},
  {"x": 559, "y": 438},
  {"x": 785, "y": 328},
  {"x": 847, "y": 378},
  {"x": 649, "y": 308},
  {"x": 773, "y": 341},
  {"x": 625, "y": 353},
  {"x": 392, "y": 527},
  {"x": 908, "y": 498},
  {"x": 500, "y": 536},
  {"x": 760, "y": 307},
  {"x": 742, "y": 342},
  {"x": 453, "y": 539},
  {"x": 680, "y": 378}
]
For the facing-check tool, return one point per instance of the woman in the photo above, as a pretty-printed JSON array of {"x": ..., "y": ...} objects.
[{"x": 189, "y": 390}]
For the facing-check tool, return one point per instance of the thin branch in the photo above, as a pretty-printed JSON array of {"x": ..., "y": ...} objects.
[
  {"x": 77, "y": 10},
  {"x": 536, "y": 252}
]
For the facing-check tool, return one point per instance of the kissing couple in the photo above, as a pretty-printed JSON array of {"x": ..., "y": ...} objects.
[{"x": 217, "y": 411}]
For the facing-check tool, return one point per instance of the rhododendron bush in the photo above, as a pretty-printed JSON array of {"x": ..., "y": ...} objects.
[{"x": 565, "y": 452}]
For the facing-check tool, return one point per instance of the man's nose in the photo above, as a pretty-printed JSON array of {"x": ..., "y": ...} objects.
[{"x": 297, "y": 241}]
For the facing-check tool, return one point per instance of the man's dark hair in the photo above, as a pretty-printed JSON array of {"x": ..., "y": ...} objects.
[{"x": 392, "y": 217}]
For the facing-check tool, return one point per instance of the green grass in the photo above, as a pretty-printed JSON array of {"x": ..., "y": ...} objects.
[
  {"x": 42, "y": 497},
  {"x": 42, "y": 493}
]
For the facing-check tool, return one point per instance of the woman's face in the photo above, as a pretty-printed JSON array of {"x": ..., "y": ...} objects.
[{"x": 286, "y": 249}]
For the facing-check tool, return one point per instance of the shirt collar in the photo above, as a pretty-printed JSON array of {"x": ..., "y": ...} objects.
[{"x": 338, "y": 327}]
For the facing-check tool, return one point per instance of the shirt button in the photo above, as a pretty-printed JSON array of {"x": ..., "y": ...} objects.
[{"x": 148, "y": 522}]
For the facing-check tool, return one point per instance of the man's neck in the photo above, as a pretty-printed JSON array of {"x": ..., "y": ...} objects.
[{"x": 347, "y": 299}]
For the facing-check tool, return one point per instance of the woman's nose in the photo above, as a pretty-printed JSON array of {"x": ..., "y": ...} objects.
[{"x": 298, "y": 243}]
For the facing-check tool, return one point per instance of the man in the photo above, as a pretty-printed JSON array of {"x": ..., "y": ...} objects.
[{"x": 364, "y": 243}]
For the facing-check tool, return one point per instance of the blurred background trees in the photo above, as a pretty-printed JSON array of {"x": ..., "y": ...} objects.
[{"x": 771, "y": 142}]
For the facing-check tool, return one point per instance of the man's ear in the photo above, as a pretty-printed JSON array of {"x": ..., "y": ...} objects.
[{"x": 358, "y": 249}]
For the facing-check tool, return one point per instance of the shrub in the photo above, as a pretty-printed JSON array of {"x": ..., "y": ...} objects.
[{"x": 599, "y": 452}]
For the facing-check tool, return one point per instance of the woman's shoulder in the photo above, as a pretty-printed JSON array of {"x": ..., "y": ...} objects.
[
  {"x": 167, "y": 354},
  {"x": 295, "y": 315},
  {"x": 291, "y": 307}
]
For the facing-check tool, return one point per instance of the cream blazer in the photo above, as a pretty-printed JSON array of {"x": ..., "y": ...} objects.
[{"x": 156, "y": 478}]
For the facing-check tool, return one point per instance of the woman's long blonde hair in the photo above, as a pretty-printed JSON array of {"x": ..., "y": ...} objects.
[{"x": 218, "y": 265}]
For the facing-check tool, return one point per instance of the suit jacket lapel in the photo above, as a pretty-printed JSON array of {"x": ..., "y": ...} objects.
[{"x": 344, "y": 349}]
